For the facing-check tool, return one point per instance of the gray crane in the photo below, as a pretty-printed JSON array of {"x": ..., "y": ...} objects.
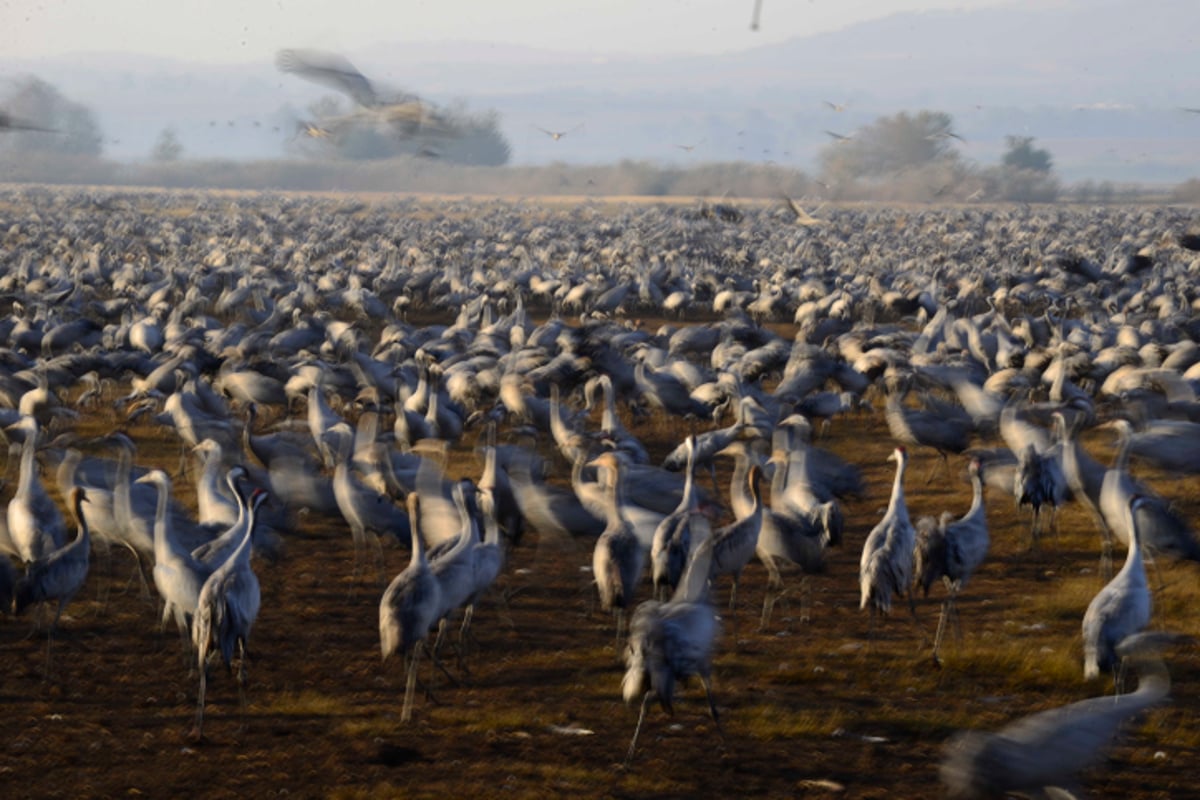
[
  {"x": 35, "y": 524},
  {"x": 672, "y": 543},
  {"x": 178, "y": 576},
  {"x": 409, "y": 608},
  {"x": 672, "y": 641},
  {"x": 1162, "y": 529},
  {"x": 886, "y": 565},
  {"x": 735, "y": 544},
  {"x": 60, "y": 574},
  {"x": 952, "y": 550},
  {"x": 1051, "y": 748},
  {"x": 617, "y": 557},
  {"x": 920, "y": 428},
  {"x": 1122, "y": 607},
  {"x": 226, "y": 610}
]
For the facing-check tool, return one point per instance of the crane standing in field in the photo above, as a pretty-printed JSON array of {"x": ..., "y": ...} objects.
[
  {"x": 1121, "y": 608},
  {"x": 952, "y": 550},
  {"x": 617, "y": 557},
  {"x": 59, "y": 575},
  {"x": 226, "y": 611},
  {"x": 672, "y": 641},
  {"x": 886, "y": 566},
  {"x": 409, "y": 607}
]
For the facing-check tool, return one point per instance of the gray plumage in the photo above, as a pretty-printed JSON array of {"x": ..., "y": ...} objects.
[
  {"x": 1049, "y": 748},
  {"x": 60, "y": 574},
  {"x": 885, "y": 568},
  {"x": 672, "y": 641},
  {"x": 409, "y": 608},
  {"x": 1121, "y": 608}
]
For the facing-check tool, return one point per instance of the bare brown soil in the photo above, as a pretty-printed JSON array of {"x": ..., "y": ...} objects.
[{"x": 807, "y": 708}]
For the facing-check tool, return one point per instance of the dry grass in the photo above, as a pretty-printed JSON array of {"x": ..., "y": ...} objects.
[{"x": 803, "y": 705}]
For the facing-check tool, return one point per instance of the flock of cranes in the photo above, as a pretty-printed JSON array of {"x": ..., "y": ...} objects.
[{"x": 285, "y": 374}]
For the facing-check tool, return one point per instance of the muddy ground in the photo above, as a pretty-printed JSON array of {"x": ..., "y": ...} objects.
[{"x": 808, "y": 708}]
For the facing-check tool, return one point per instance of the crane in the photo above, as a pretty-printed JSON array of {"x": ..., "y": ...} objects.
[
  {"x": 1051, "y": 748},
  {"x": 886, "y": 565},
  {"x": 35, "y": 524},
  {"x": 226, "y": 610},
  {"x": 178, "y": 576},
  {"x": 1122, "y": 607},
  {"x": 951, "y": 550},
  {"x": 673, "y": 640},
  {"x": 409, "y": 607},
  {"x": 672, "y": 541},
  {"x": 734, "y": 545},
  {"x": 60, "y": 574},
  {"x": 617, "y": 557}
]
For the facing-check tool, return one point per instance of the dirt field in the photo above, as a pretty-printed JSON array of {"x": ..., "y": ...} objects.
[{"x": 807, "y": 708}]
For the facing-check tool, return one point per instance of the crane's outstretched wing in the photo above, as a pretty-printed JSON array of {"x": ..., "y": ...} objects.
[
  {"x": 328, "y": 69},
  {"x": 10, "y": 123}
]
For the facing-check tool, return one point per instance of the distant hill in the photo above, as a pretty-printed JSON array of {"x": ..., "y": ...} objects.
[{"x": 1100, "y": 83}]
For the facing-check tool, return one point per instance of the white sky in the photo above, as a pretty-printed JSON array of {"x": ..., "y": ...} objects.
[{"x": 247, "y": 30}]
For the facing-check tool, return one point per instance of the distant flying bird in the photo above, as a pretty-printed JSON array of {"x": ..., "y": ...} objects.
[
  {"x": 840, "y": 138},
  {"x": 946, "y": 135},
  {"x": 1190, "y": 110},
  {"x": 838, "y": 107},
  {"x": 10, "y": 123},
  {"x": 802, "y": 216},
  {"x": 556, "y": 135},
  {"x": 687, "y": 148},
  {"x": 754, "y": 18}
]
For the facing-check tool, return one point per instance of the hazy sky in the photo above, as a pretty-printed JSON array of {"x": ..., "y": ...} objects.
[{"x": 242, "y": 30}]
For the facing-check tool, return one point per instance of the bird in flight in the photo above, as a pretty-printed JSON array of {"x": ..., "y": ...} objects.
[
  {"x": 754, "y": 18},
  {"x": 687, "y": 148},
  {"x": 840, "y": 138},
  {"x": 403, "y": 113},
  {"x": 556, "y": 135},
  {"x": 802, "y": 216},
  {"x": 10, "y": 123},
  {"x": 838, "y": 107}
]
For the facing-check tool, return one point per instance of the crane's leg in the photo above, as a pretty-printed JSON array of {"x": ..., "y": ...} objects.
[
  {"x": 410, "y": 683},
  {"x": 638, "y": 728},
  {"x": 241, "y": 680},
  {"x": 198, "y": 730},
  {"x": 712, "y": 705}
]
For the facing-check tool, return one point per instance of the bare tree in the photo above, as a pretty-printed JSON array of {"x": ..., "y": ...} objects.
[{"x": 167, "y": 147}]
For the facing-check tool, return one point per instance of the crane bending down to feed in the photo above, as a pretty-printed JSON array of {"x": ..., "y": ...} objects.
[
  {"x": 226, "y": 611},
  {"x": 886, "y": 566},
  {"x": 672, "y": 641},
  {"x": 1052, "y": 747},
  {"x": 409, "y": 607}
]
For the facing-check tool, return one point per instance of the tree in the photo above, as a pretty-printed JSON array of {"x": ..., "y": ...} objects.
[
  {"x": 1021, "y": 154},
  {"x": 890, "y": 145},
  {"x": 167, "y": 147},
  {"x": 76, "y": 131}
]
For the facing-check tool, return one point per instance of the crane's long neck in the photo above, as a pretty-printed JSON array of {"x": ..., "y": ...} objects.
[
  {"x": 609, "y": 421},
  {"x": 1133, "y": 557},
  {"x": 84, "y": 536},
  {"x": 28, "y": 449},
  {"x": 976, "y": 508},
  {"x": 897, "y": 505},
  {"x": 687, "y": 499},
  {"x": 616, "y": 496},
  {"x": 231, "y": 481},
  {"x": 161, "y": 545}
]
